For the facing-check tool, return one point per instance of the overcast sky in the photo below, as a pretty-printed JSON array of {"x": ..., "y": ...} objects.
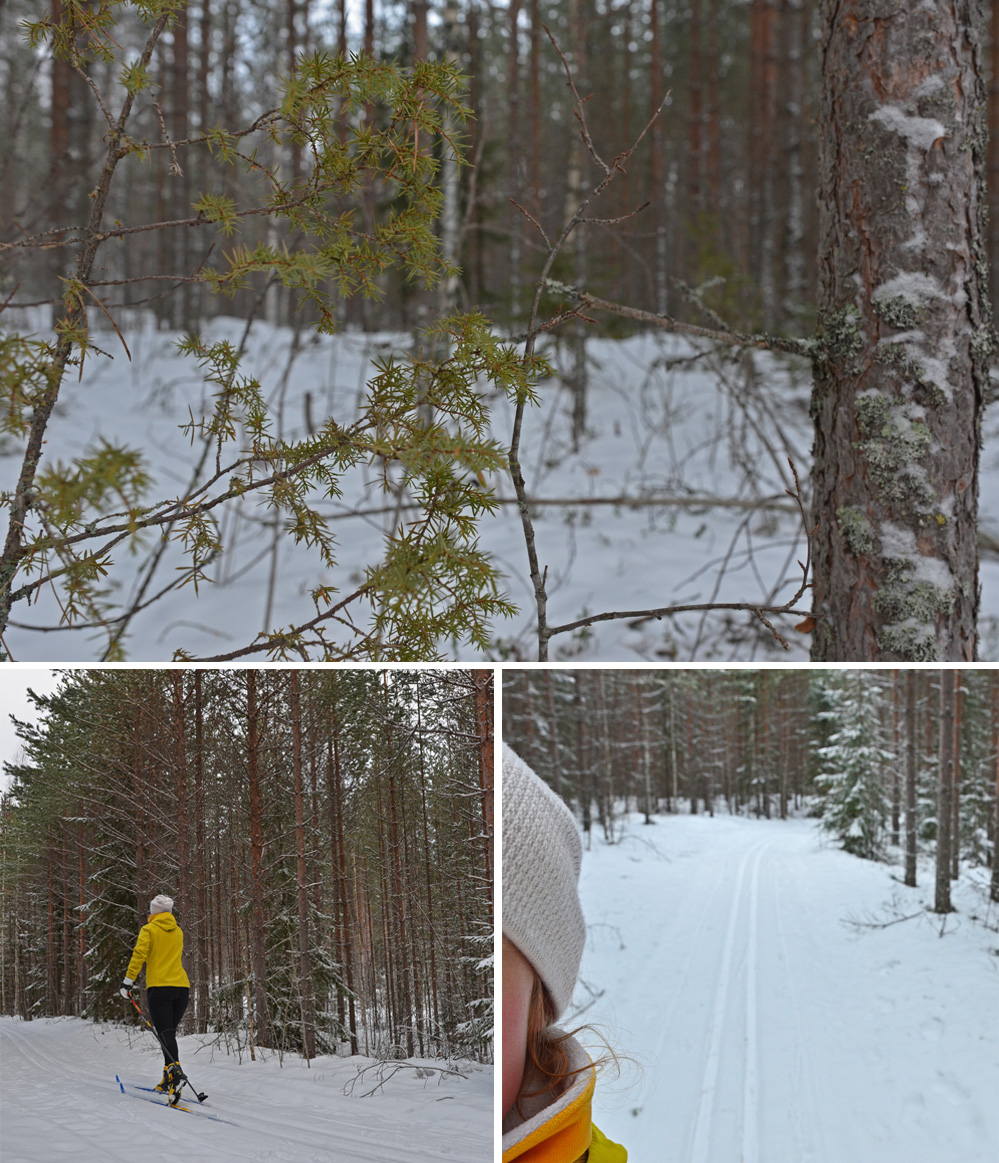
[{"x": 14, "y": 683}]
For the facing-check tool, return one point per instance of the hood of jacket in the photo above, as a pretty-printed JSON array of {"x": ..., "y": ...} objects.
[{"x": 167, "y": 922}]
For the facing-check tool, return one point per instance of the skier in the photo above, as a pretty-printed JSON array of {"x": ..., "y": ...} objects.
[
  {"x": 548, "y": 1078},
  {"x": 161, "y": 946}
]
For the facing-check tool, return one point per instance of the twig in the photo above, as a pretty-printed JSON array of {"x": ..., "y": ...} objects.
[
  {"x": 537, "y": 575},
  {"x": 803, "y": 347},
  {"x": 765, "y": 504},
  {"x": 756, "y": 608}
]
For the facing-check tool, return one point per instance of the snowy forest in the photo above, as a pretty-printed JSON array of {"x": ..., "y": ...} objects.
[
  {"x": 407, "y": 329},
  {"x": 894, "y": 762},
  {"x": 791, "y": 902},
  {"x": 327, "y": 837}
]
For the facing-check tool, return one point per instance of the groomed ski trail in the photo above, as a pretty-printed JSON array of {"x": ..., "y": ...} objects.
[
  {"x": 766, "y": 1030},
  {"x": 61, "y": 1101}
]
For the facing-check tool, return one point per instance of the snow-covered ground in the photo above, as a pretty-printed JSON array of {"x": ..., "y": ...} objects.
[
  {"x": 659, "y": 423},
  {"x": 60, "y": 1100},
  {"x": 766, "y": 1029}
]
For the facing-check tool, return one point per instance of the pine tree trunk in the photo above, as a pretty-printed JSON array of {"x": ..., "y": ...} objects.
[
  {"x": 421, "y": 40},
  {"x": 993, "y": 154},
  {"x": 302, "y": 884},
  {"x": 515, "y": 155},
  {"x": 695, "y": 126},
  {"x": 258, "y": 939},
  {"x": 795, "y": 19},
  {"x": 896, "y": 783},
  {"x": 450, "y": 225},
  {"x": 201, "y": 970},
  {"x": 994, "y": 894},
  {"x": 483, "y": 680},
  {"x": 657, "y": 150},
  {"x": 910, "y": 778},
  {"x": 346, "y": 944},
  {"x": 904, "y": 326},
  {"x": 180, "y": 197},
  {"x": 955, "y": 818},
  {"x": 945, "y": 790}
]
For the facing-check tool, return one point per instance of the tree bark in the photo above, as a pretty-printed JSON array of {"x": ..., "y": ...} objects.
[
  {"x": 302, "y": 884},
  {"x": 910, "y": 778},
  {"x": 904, "y": 333},
  {"x": 483, "y": 680},
  {"x": 995, "y": 759},
  {"x": 258, "y": 944},
  {"x": 955, "y": 815},
  {"x": 657, "y": 150},
  {"x": 945, "y": 782}
]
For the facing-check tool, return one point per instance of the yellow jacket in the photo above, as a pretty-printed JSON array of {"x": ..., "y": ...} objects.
[
  {"x": 160, "y": 946},
  {"x": 566, "y": 1134}
]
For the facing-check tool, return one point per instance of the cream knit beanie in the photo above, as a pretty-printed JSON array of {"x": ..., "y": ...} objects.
[
  {"x": 161, "y": 904},
  {"x": 541, "y": 858}
]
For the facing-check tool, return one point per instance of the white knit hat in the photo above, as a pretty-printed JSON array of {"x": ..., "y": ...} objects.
[
  {"x": 542, "y": 853},
  {"x": 161, "y": 904}
]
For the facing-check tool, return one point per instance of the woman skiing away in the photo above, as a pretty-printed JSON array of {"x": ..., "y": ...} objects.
[
  {"x": 548, "y": 1078},
  {"x": 160, "y": 946}
]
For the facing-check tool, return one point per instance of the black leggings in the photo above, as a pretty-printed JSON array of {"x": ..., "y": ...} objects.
[{"x": 166, "y": 1007}]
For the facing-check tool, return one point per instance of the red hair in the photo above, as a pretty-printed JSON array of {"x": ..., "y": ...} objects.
[{"x": 546, "y": 1050}]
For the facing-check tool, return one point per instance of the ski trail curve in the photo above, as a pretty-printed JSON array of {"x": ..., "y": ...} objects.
[{"x": 700, "y": 1147}]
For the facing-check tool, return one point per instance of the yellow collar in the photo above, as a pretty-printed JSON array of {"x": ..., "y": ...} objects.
[{"x": 563, "y": 1138}]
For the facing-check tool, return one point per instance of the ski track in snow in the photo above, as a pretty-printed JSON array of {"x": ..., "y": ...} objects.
[
  {"x": 766, "y": 1030},
  {"x": 806, "y": 1121},
  {"x": 61, "y": 1101},
  {"x": 750, "y": 1132},
  {"x": 700, "y": 1149}
]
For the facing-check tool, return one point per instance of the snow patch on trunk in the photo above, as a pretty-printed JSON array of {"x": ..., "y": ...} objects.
[{"x": 921, "y": 132}]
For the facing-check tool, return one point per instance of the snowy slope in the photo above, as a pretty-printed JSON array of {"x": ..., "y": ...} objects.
[
  {"x": 768, "y": 1031},
  {"x": 60, "y": 1101},
  {"x": 659, "y": 423}
]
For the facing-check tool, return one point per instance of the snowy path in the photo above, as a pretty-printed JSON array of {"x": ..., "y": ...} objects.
[
  {"x": 769, "y": 1032},
  {"x": 60, "y": 1101}
]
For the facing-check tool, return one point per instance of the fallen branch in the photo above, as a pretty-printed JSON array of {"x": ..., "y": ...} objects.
[{"x": 385, "y": 1071}]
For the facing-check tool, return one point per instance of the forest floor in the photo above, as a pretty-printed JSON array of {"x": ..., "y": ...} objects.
[
  {"x": 60, "y": 1101},
  {"x": 729, "y": 958},
  {"x": 662, "y": 419}
]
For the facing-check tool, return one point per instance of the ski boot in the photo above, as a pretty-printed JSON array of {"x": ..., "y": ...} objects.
[
  {"x": 177, "y": 1078},
  {"x": 163, "y": 1086}
]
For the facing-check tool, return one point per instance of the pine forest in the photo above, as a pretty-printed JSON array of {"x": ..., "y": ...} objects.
[
  {"x": 445, "y": 313},
  {"x": 326, "y": 836},
  {"x": 896, "y": 764}
]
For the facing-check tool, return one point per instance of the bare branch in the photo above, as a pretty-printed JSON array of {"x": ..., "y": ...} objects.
[
  {"x": 580, "y": 102},
  {"x": 756, "y": 608},
  {"x": 530, "y": 217},
  {"x": 803, "y": 347}
]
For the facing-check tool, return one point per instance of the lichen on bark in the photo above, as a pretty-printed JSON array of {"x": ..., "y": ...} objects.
[{"x": 898, "y": 393}]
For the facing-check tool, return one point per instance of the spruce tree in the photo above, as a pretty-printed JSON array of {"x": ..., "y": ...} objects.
[{"x": 854, "y": 763}]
